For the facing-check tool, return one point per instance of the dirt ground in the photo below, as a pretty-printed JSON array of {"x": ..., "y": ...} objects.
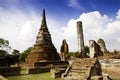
[{"x": 113, "y": 72}]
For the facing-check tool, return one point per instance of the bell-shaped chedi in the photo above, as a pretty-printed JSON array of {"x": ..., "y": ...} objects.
[{"x": 44, "y": 49}]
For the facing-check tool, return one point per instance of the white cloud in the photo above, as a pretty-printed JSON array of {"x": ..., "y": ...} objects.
[
  {"x": 118, "y": 15},
  {"x": 13, "y": 25},
  {"x": 21, "y": 30},
  {"x": 27, "y": 32},
  {"x": 75, "y": 4},
  {"x": 96, "y": 26}
]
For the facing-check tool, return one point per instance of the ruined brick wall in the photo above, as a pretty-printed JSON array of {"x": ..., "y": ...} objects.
[
  {"x": 10, "y": 71},
  {"x": 95, "y": 50},
  {"x": 49, "y": 63},
  {"x": 102, "y": 45},
  {"x": 39, "y": 70},
  {"x": 83, "y": 69},
  {"x": 41, "y": 67},
  {"x": 64, "y": 50}
]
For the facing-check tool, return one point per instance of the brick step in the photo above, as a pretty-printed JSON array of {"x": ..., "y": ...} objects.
[
  {"x": 84, "y": 64},
  {"x": 76, "y": 67},
  {"x": 78, "y": 70},
  {"x": 76, "y": 73},
  {"x": 71, "y": 78}
]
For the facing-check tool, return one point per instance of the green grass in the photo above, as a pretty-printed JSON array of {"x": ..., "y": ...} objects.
[{"x": 41, "y": 76}]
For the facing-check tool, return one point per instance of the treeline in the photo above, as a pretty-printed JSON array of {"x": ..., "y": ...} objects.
[
  {"x": 11, "y": 56},
  {"x": 15, "y": 55}
]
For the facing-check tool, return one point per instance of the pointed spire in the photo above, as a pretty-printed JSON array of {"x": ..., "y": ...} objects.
[{"x": 43, "y": 23}]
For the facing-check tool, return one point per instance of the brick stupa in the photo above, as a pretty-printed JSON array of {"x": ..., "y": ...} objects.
[{"x": 44, "y": 49}]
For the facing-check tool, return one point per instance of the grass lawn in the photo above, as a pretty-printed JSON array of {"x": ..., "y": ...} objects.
[{"x": 41, "y": 76}]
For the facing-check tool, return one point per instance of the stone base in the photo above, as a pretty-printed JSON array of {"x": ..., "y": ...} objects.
[
  {"x": 57, "y": 72},
  {"x": 36, "y": 56}
]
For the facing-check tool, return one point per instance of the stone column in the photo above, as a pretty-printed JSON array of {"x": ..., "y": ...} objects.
[
  {"x": 80, "y": 37},
  {"x": 92, "y": 48}
]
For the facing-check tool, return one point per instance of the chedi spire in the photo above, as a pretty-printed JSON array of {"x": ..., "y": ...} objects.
[
  {"x": 43, "y": 36},
  {"x": 43, "y": 22}
]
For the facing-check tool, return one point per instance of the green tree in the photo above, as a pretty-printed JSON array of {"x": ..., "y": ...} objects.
[
  {"x": 4, "y": 47},
  {"x": 4, "y": 44},
  {"x": 15, "y": 55},
  {"x": 15, "y": 52},
  {"x": 73, "y": 54},
  {"x": 86, "y": 49},
  {"x": 2, "y": 53},
  {"x": 24, "y": 54}
]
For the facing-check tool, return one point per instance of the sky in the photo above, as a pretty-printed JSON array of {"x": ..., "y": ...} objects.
[{"x": 20, "y": 21}]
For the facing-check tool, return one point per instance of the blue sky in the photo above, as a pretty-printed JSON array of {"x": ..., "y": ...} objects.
[
  {"x": 20, "y": 21},
  {"x": 66, "y": 9}
]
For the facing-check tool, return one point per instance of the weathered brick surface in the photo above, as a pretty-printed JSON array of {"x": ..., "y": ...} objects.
[
  {"x": 10, "y": 71},
  {"x": 83, "y": 69}
]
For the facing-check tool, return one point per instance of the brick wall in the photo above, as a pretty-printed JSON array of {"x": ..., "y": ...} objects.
[{"x": 10, "y": 71}]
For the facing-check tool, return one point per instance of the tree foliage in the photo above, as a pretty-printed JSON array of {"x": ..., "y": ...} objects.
[
  {"x": 86, "y": 49},
  {"x": 73, "y": 54},
  {"x": 15, "y": 52},
  {"x": 15, "y": 55},
  {"x": 4, "y": 45},
  {"x": 3, "y": 42},
  {"x": 2, "y": 53},
  {"x": 24, "y": 54},
  {"x": 4, "y": 50}
]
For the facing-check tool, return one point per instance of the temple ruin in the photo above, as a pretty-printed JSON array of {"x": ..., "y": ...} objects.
[
  {"x": 95, "y": 50},
  {"x": 83, "y": 69},
  {"x": 80, "y": 37},
  {"x": 64, "y": 50},
  {"x": 102, "y": 45},
  {"x": 44, "y": 49}
]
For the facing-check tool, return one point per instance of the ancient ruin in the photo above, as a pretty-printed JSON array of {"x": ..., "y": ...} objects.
[
  {"x": 80, "y": 37},
  {"x": 83, "y": 69},
  {"x": 64, "y": 50},
  {"x": 81, "y": 48},
  {"x": 44, "y": 49},
  {"x": 102, "y": 45},
  {"x": 10, "y": 71},
  {"x": 41, "y": 67},
  {"x": 95, "y": 50}
]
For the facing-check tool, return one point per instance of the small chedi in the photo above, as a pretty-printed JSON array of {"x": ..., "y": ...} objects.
[
  {"x": 95, "y": 49},
  {"x": 44, "y": 49},
  {"x": 102, "y": 45},
  {"x": 64, "y": 50}
]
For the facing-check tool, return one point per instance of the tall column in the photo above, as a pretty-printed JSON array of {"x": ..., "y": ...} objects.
[{"x": 80, "y": 37}]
